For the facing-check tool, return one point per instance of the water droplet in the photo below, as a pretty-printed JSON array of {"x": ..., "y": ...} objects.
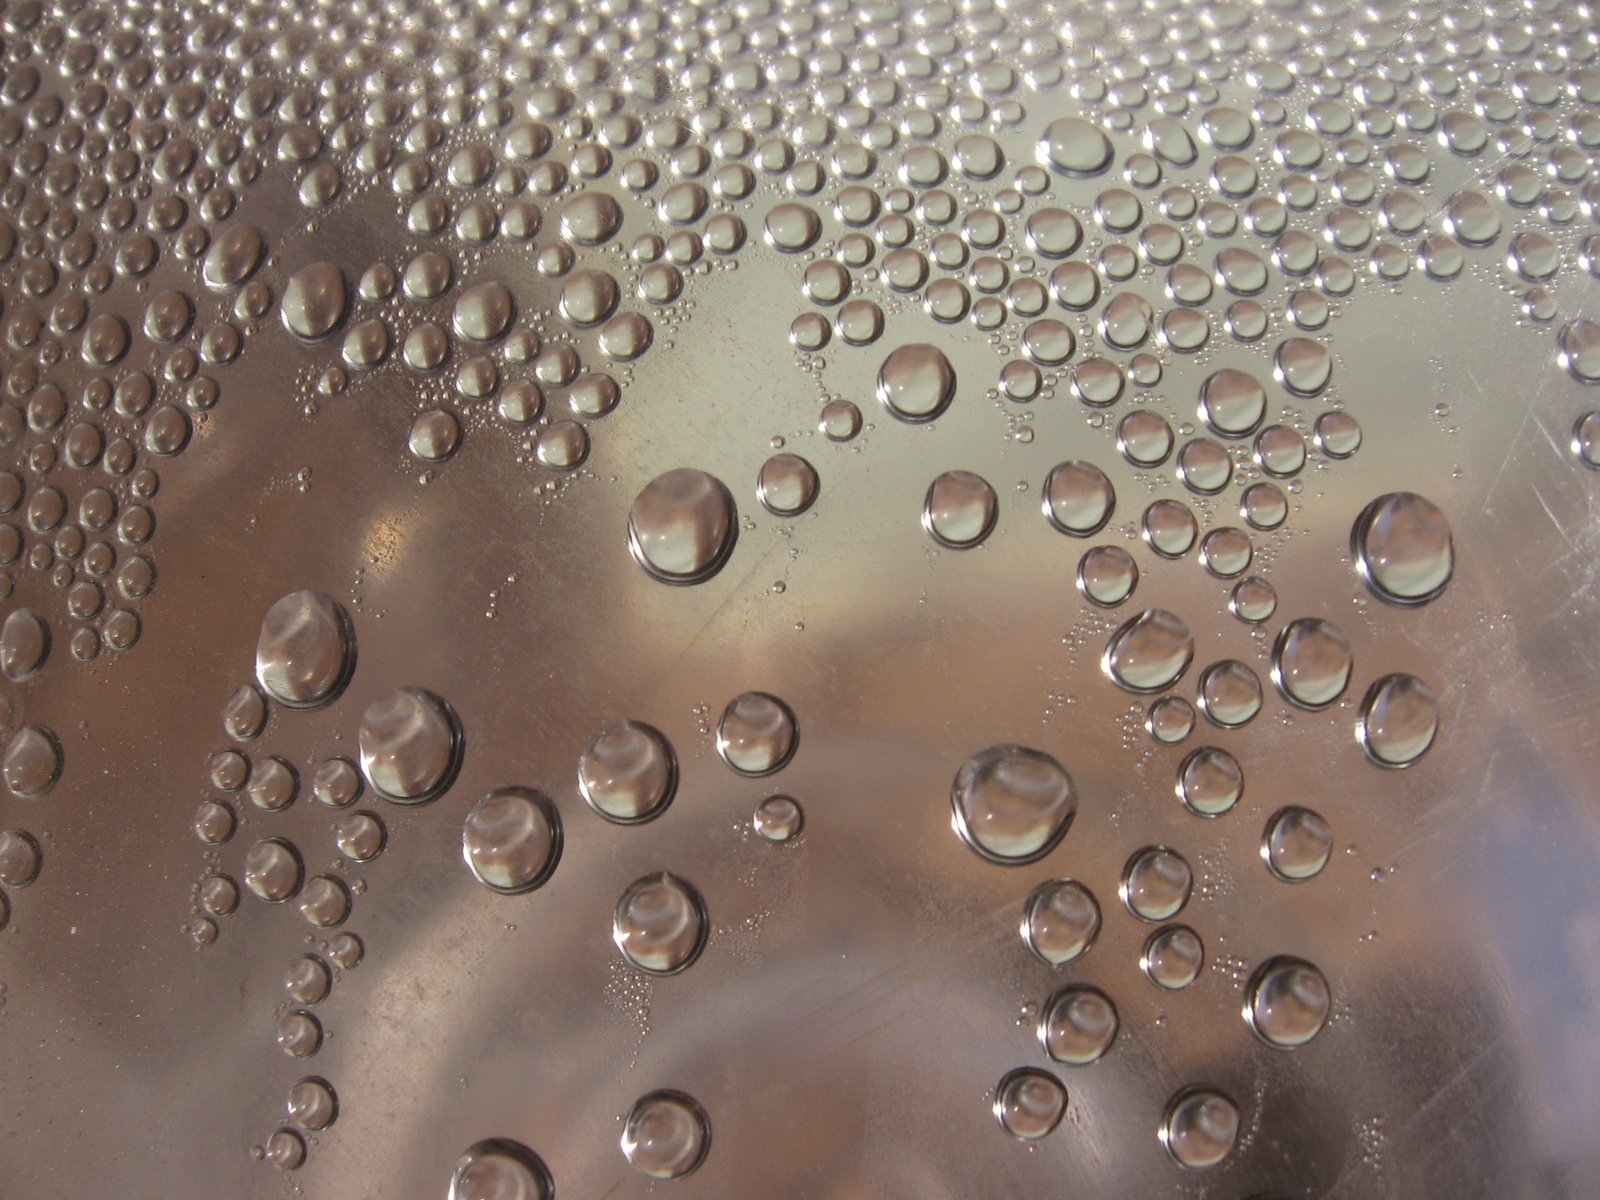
[
  {"x": 299, "y": 1035},
  {"x": 272, "y": 870},
  {"x": 286, "y": 1150},
  {"x": 314, "y": 301},
  {"x": 628, "y": 772},
  {"x": 1230, "y": 693},
  {"x": 511, "y": 840},
  {"x": 1078, "y": 1025},
  {"x": 666, "y": 1135},
  {"x": 1149, "y": 653},
  {"x": 1232, "y": 403},
  {"x": 1287, "y": 1002},
  {"x": 1199, "y": 1127},
  {"x": 32, "y": 762},
  {"x": 1399, "y": 720},
  {"x": 312, "y": 1104},
  {"x": 779, "y": 818},
  {"x": 308, "y": 980},
  {"x": 1029, "y": 1103},
  {"x": 1074, "y": 146},
  {"x": 1170, "y": 528},
  {"x": 1078, "y": 498},
  {"x": 756, "y": 734},
  {"x": 682, "y": 526},
  {"x": 1156, "y": 883},
  {"x": 1579, "y": 344},
  {"x": 660, "y": 924},
  {"x": 434, "y": 436},
  {"x": 1296, "y": 844},
  {"x": 336, "y": 783},
  {"x": 1303, "y": 366},
  {"x": 245, "y": 713},
  {"x": 1311, "y": 662},
  {"x": 500, "y": 1169},
  {"x": 1107, "y": 575},
  {"x": 960, "y": 509},
  {"x": 24, "y": 644},
  {"x": 20, "y": 858},
  {"x": 916, "y": 382},
  {"x": 1060, "y": 921},
  {"x": 1170, "y": 719},
  {"x": 273, "y": 785},
  {"x": 1012, "y": 805},
  {"x": 360, "y": 836},
  {"x": 1403, "y": 548},
  {"x": 306, "y": 650},
  {"x": 1172, "y": 957},
  {"x": 787, "y": 485},
  {"x": 410, "y": 745}
]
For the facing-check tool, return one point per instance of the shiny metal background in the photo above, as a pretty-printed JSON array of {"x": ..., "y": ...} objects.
[{"x": 864, "y": 988}]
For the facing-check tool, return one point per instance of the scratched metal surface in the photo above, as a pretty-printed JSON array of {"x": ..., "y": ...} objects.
[{"x": 864, "y": 988}]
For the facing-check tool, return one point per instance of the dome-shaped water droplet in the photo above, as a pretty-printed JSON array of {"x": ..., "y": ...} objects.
[
  {"x": 787, "y": 485},
  {"x": 779, "y": 818},
  {"x": 682, "y": 526},
  {"x": 511, "y": 840},
  {"x": 628, "y": 772},
  {"x": 960, "y": 509},
  {"x": 1011, "y": 804},
  {"x": 1029, "y": 1103},
  {"x": 500, "y": 1169},
  {"x": 1403, "y": 548},
  {"x": 1078, "y": 498},
  {"x": 410, "y": 745},
  {"x": 272, "y": 870},
  {"x": 1287, "y": 1002},
  {"x": 1078, "y": 1025},
  {"x": 916, "y": 382},
  {"x": 1074, "y": 146},
  {"x": 24, "y": 644},
  {"x": 314, "y": 301},
  {"x": 1199, "y": 1127},
  {"x": 1060, "y": 921},
  {"x": 756, "y": 734},
  {"x": 1172, "y": 957},
  {"x": 1399, "y": 720},
  {"x": 32, "y": 762},
  {"x": 1156, "y": 883},
  {"x": 1311, "y": 662},
  {"x": 1210, "y": 781},
  {"x": 1149, "y": 653},
  {"x": 306, "y": 650},
  {"x": 1232, "y": 402},
  {"x": 666, "y": 1135},
  {"x": 660, "y": 924},
  {"x": 1296, "y": 844}
]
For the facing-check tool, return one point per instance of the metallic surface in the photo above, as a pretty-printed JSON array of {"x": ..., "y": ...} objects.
[{"x": 863, "y": 987}]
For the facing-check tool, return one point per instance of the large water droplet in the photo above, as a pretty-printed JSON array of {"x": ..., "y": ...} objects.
[
  {"x": 1399, "y": 720},
  {"x": 1172, "y": 957},
  {"x": 1233, "y": 403},
  {"x": 1296, "y": 844},
  {"x": 1011, "y": 804},
  {"x": 627, "y": 772},
  {"x": 305, "y": 653},
  {"x": 1149, "y": 653},
  {"x": 1029, "y": 1103},
  {"x": 314, "y": 301},
  {"x": 682, "y": 526},
  {"x": 1060, "y": 921},
  {"x": 1078, "y": 1025},
  {"x": 410, "y": 745},
  {"x": 660, "y": 924},
  {"x": 1156, "y": 883},
  {"x": 960, "y": 509},
  {"x": 500, "y": 1169},
  {"x": 1210, "y": 781},
  {"x": 1199, "y": 1127},
  {"x": 1403, "y": 548},
  {"x": 1287, "y": 1002},
  {"x": 1311, "y": 662},
  {"x": 272, "y": 870},
  {"x": 666, "y": 1135},
  {"x": 756, "y": 734},
  {"x": 1074, "y": 146},
  {"x": 511, "y": 840},
  {"x": 916, "y": 382},
  {"x": 787, "y": 485},
  {"x": 1078, "y": 498},
  {"x": 24, "y": 644},
  {"x": 32, "y": 761}
]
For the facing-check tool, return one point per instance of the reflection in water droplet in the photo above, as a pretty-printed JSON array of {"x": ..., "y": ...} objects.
[
  {"x": 1399, "y": 720},
  {"x": 410, "y": 745},
  {"x": 1029, "y": 1103},
  {"x": 32, "y": 761},
  {"x": 1107, "y": 575},
  {"x": 1311, "y": 662},
  {"x": 660, "y": 924},
  {"x": 1078, "y": 1025},
  {"x": 960, "y": 509},
  {"x": 336, "y": 783},
  {"x": 1170, "y": 719},
  {"x": 1149, "y": 653},
  {"x": 324, "y": 902},
  {"x": 682, "y": 526},
  {"x": 19, "y": 858},
  {"x": 308, "y": 980},
  {"x": 500, "y": 1169},
  {"x": 245, "y": 713},
  {"x": 1230, "y": 693},
  {"x": 756, "y": 734},
  {"x": 1287, "y": 1002},
  {"x": 1169, "y": 528},
  {"x": 1296, "y": 844},
  {"x": 1074, "y": 146},
  {"x": 1060, "y": 921},
  {"x": 779, "y": 818},
  {"x": 305, "y": 653},
  {"x": 314, "y": 301},
  {"x": 666, "y": 1135},
  {"x": 286, "y": 1150},
  {"x": 312, "y": 1104},
  {"x": 1011, "y": 804},
  {"x": 628, "y": 772},
  {"x": 1156, "y": 883},
  {"x": 1403, "y": 548},
  {"x": 1232, "y": 403},
  {"x": 511, "y": 840},
  {"x": 916, "y": 382},
  {"x": 1172, "y": 957},
  {"x": 1199, "y": 1127},
  {"x": 24, "y": 644},
  {"x": 1210, "y": 781},
  {"x": 299, "y": 1035}
]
